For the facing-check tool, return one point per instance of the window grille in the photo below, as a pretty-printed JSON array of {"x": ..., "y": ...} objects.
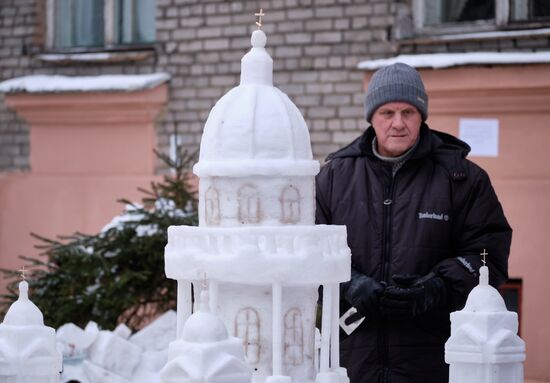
[
  {"x": 290, "y": 200},
  {"x": 249, "y": 205},
  {"x": 247, "y": 328},
  {"x": 294, "y": 338}
]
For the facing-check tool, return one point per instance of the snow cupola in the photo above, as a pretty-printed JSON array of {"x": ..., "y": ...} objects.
[
  {"x": 205, "y": 352},
  {"x": 484, "y": 297},
  {"x": 28, "y": 351},
  {"x": 484, "y": 346},
  {"x": 255, "y": 129},
  {"x": 204, "y": 326},
  {"x": 23, "y": 312},
  {"x": 256, "y": 143}
]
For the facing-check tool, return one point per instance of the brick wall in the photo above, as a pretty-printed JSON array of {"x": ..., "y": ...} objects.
[
  {"x": 16, "y": 26},
  {"x": 315, "y": 45}
]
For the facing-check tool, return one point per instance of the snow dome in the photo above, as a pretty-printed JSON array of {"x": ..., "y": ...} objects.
[
  {"x": 205, "y": 352},
  {"x": 23, "y": 312},
  {"x": 256, "y": 165},
  {"x": 28, "y": 351},
  {"x": 203, "y": 326},
  {"x": 484, "y": 297},
  {"x": 268, "y": 138}
]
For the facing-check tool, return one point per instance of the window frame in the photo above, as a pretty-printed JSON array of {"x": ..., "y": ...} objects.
[
  {"x": 248, "y": 330},
  {"x": 109, "y": 44},
  {"x": 501, "y": 21},
  {"x": 515, "y": 285}
]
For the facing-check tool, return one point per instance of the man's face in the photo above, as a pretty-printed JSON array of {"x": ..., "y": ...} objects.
[{"x": 397, "y": 125}]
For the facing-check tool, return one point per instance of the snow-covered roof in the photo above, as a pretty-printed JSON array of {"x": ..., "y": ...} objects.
[
  {"x": 446, "y": 60},
  {"x": 57, "y": 83}
]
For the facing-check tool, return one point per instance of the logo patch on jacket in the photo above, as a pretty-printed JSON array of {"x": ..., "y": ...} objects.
[{"x": 436, "y": 216}]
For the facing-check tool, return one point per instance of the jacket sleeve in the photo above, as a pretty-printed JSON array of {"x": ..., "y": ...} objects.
[
  {"x": 323, "y": 187},
  {"x": 479, "y": 225}
]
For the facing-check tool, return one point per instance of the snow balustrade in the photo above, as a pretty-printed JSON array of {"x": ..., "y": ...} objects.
[{"x": 260, "y": 256}]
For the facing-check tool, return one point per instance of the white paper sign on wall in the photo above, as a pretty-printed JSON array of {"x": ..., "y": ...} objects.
[{"x": 481, "y": 134}]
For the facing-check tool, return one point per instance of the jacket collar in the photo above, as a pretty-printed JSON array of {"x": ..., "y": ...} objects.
[{"x": 431, "y": 142}]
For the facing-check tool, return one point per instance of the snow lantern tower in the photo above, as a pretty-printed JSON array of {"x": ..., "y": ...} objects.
[
  {"x": 27, "y": 348},
  {"x": 257, "y": 242},
  {"x": 484, "y": 346}
]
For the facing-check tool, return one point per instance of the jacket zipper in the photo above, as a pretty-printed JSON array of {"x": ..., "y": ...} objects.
[
  {"x": 388, "y": 201},
  {"x": 386, "y": 256}
]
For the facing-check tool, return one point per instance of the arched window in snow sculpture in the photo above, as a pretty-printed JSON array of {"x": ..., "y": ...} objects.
[
  {"x": 249, "y": 204},
  {"x": 294, "y": 337},
  {"x": 247, "y": 327},
  {"x": 290, "y": 202},
  {"x": 212, "y": 207}
]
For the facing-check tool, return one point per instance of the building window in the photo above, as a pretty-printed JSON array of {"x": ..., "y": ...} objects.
[
  {"x": 452, "y": 11},
  {"x": 99, "y": 24},
  {"x": 511, "y": 291},
  {"x": 476, "y": 15},
  {"x": 247, "y": 328},
  {"x": 249, "y": 205},
  {"x": 529, "y": 10},
  {"x": 290, "y": 201},
  {"x": 294, "y": 338}
]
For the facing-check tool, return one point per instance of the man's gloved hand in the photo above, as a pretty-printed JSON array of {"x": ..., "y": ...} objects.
[
  {"x": 413, "y": 295},
  {"x": 363, "y": 293}
]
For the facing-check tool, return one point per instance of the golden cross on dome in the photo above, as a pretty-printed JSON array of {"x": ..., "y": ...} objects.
[
  {"x": 485, "y": 253},
  {"x": 259, "y": 16},
  {"x": 22, "y": 272}
]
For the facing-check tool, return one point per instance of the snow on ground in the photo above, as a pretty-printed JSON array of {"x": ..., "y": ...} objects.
[
  {"x": 446, "y": 60},
  {"x": 57, "y": 83}
]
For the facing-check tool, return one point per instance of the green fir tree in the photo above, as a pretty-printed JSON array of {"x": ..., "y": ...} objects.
[{"x": 117, "y": 275}]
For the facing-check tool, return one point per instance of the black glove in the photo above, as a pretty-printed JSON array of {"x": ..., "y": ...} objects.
[
  {"x": 363, "y": 293},
  {"x": 413, "y": 295}
]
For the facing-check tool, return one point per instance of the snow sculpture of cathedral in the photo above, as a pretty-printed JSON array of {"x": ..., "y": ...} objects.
[
  {"x": 257, "y": 242},
  {"x": 28, "y": 352},
  {"x": 484, "y": 347}
]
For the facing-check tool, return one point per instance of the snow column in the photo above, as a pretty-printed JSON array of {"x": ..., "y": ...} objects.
[
  {"x": 185, "y": 305},
  {"x": 213, "y": 292},
  {"x": 326, "y": 325},
  {"x": 277, "y": 329},
  {"x": 335, "y": 334}
]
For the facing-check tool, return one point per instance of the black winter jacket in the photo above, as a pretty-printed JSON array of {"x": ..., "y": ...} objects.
[{"x": 437, "y": 215}]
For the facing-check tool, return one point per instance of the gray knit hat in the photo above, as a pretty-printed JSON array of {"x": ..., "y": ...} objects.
[{"x": 394, "y": 83}]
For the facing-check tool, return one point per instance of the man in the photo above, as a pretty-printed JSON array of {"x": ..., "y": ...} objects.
[{"x": 418, "y": 215}]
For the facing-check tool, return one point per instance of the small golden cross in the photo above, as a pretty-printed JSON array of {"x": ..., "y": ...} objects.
[
  {"x": 22, "y": 272},
  {"x": 484, "y": 254},
  {"x": 259, "y": 16}
]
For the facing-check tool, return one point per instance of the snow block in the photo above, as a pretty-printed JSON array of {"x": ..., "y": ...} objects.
[
  {"x": 74, "y": 342},
  {"x": 97, "y": 374},
  {"x": 158, "y": 334},
  {"x": 115, "y": 354}
]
